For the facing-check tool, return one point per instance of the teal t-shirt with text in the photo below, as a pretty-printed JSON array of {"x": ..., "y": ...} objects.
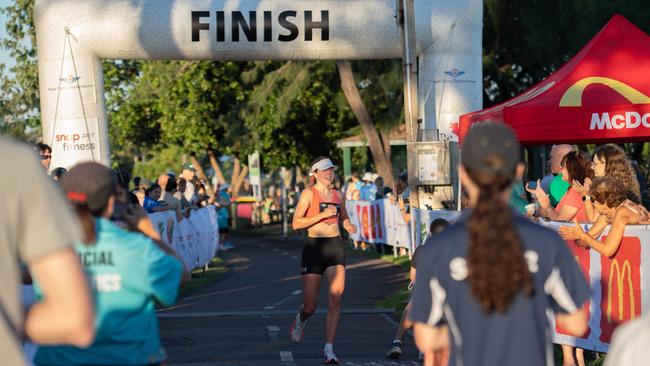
[{"x": 127, "y": 272}]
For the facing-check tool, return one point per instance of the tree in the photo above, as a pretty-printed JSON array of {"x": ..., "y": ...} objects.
[
  {"x": 296, "y": 113},
  {"x": 20, "y": 100},
  {"x": 379, "y": 145}
]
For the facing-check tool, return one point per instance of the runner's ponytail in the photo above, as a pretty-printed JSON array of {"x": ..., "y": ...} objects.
[{"x": 497, "y": 269}]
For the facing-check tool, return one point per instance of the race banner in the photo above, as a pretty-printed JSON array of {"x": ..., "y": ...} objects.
[
  {"x": 195, "y": 239},
  {"x": 618, "y": 284},
  {"x": 618, "y": 287},
  {"x": 423, "y": 220},
  {"x": 379, "y": 222}
]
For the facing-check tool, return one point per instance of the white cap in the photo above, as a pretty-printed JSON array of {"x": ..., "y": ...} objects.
[
  {"x": 367, "y": 177},
  {"x": 323, "y": 164},
  {"x": 375, "y": 176}
]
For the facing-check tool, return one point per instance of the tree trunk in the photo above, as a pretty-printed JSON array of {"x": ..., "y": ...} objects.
[
  {"x": 236, "y": 169},
  {"x": 199, "y": 170},
  {"x": 215, "y": 166},
  {"x": 236, "y": 184},
  {"x": 379, "y": 149},
  {"x": 299, "y": 176}
]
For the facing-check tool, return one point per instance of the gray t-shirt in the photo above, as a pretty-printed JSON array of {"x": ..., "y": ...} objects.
[{"x": 35, "y": 220}]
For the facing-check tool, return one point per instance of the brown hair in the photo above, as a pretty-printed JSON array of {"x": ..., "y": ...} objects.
[
  {"x": 619, "y": 167},
  {"x": 497, "y": 269},
  {"x": 578, "y": 164},
  {"x": 87, "y": 221},
  {"x": 609, "y": 191}
]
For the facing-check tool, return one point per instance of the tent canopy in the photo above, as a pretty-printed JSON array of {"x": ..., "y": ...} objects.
[{"x": 600, "y": 95}]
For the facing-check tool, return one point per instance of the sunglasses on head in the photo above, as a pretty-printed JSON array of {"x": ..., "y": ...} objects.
[{"x": 45, "y": 157}]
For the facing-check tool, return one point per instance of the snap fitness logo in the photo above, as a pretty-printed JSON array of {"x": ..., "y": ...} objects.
[{"x": 572, "y": 97}]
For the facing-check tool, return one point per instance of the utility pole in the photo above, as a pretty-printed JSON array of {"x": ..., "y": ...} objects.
[{"x": 406, "y": 22}]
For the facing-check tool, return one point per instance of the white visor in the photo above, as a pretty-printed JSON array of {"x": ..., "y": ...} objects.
[{"x": 322, "y": 165}]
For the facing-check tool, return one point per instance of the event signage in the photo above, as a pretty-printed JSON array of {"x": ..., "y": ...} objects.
[
  {"x": 249, "y": 25},
  {"x": 617, "y": 283}
]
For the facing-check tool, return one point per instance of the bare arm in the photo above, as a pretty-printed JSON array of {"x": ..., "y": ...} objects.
[
  {"x": 574, "y": 323},
  {"x": 299, "y": 219},
  {"x": 611, "y": 244},
  {"x": 429, "y": 338},
  {"x": 347, "y": 224},
  {"x": 566, "y": 213},
  {"x": 66, "y": 313}
]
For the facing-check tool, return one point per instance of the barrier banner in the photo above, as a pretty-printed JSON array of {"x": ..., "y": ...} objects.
[
  {"x": 194, "y": 239},
  {"x": 618, "y": 286},
  {"x": 379, "y": 222},
  {"x": 423, "y": 220}
]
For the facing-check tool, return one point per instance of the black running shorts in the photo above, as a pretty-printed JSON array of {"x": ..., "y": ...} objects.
[{"x": 320, "y": 253}]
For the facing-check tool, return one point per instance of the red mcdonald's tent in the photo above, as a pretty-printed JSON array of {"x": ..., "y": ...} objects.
[{"x": 601, "y": 95}]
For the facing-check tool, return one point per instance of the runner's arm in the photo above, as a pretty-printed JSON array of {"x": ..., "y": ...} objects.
[
  {"x": 574, "y": 323},
  {"x": 347, "y": 224},
  {"x": 299, "y": 219},
  {"x": 430, "y": 338}
]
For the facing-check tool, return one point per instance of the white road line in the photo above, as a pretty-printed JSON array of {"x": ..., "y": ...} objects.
[
  {"x": 297, "y": 292},
  {"x": 275, "y": 249},
  {"x": 273, "y": 328},
  {"x": 285, "y": 253},
  {"x": 269, "y": 307},
  {"x": 286, "y": 356},
  {"x": 274, "y": 312},
  {"x": 294, "y": 257}
]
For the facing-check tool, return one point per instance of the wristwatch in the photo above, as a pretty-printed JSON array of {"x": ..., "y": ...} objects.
[{"x": 586, "y": 197}]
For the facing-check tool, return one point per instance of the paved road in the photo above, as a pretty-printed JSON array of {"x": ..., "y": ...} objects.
[{"x": 244, "y": 318}]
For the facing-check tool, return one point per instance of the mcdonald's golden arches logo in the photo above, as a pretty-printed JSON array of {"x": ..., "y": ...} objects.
[
  {"x": 620, "y": 275},
  {"x": 572, "y": 97}
]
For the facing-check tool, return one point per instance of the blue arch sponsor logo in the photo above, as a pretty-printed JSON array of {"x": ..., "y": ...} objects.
[{"x": 455, "y": 72}]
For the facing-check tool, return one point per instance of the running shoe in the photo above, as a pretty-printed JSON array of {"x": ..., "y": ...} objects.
[
  {"x": 395, "y": 350},
  {"x": 330, "y": 358},
  {"x": 297, "y": 330}
]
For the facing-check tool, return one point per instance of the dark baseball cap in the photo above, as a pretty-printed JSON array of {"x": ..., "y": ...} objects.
[
  {"x": 490, "y": 140},
  {"x": 89, "y": 183}
]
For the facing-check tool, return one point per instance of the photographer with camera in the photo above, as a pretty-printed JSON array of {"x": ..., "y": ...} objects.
[{"x": 129, "y": 270}]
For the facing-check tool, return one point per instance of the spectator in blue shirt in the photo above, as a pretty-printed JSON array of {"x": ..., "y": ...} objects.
[
  {"x": 129, "y": 270},
  {"x": 151, "y": 197},
  {"x": 493, "y": 275}
]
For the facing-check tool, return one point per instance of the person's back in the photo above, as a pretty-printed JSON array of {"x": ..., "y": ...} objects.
[
  {"x": 129, "y": 273},
  {"x": 493, "y": 277},
  {"x": 38, "y": 229},
  {"x": 129, "y": 270},
  {"x": 520, "y": 336}
]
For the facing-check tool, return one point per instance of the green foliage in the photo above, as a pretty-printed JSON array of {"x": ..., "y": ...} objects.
[
  {"x": 161, "y": 160},
  {"x": 297, "y": 112},
  {"x": 525, "y": 41},
  {"x": 19, "y": 102}
]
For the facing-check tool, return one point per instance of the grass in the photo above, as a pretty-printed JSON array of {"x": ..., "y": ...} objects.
[{"x": 216, "y": 270}]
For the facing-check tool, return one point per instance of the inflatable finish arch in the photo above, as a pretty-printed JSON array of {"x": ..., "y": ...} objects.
[{"x": 74, "y": 35}]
